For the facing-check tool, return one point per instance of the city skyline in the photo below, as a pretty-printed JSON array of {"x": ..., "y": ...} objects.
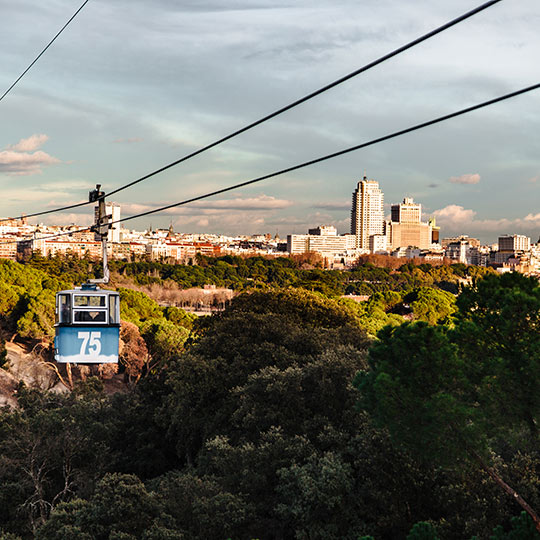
[{"x": 110, "y": 112}]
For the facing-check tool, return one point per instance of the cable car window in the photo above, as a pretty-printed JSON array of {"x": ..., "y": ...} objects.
[
  {"x": 64, "y": 308},
  {"x": 90, "y": 316},
  {"x": 113, "y": 309},
  {"x": 89, "y": 300}
]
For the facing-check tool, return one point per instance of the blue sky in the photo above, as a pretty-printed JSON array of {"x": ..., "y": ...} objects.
[{"x": 132, "y": 85}]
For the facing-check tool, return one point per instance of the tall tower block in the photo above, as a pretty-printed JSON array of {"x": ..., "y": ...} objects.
[{"x": 367, "y": 214}]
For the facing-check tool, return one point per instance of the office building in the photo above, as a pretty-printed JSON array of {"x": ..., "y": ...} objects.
[
  {"x": 515, "y": 242},
  {"x": 406, "y": 212},
  {"x": 325, "y": 244},
  {"x": 367, "y": 215},
  {"x": 406, "y": 228}
]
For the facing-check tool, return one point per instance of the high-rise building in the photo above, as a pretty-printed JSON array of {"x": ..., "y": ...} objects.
[
  {"x": 367, "y": 214},
  {"x": 510, "y": 246},
  {"x": 406, "y": 228},
  {"x": 407, "y": 212},
  {"x": 515, "y": 242}
]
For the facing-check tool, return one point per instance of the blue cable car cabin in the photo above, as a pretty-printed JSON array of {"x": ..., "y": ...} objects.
[{"x": 87, "y": 326}]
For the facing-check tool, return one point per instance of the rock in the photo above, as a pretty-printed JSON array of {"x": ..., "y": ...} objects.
[
  {"x": 29, "y": 368},
  {"x": 8, "y": 389}
]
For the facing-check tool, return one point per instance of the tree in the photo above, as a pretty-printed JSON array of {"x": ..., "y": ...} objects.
[
  {"x": 316, "y": 498},
  {"x": 165, "y": 339},
  {"x": 38, "y": 318},
  {"x": 52, "y": 447},
  {"x": 431, "y": 305},
  {"x": 423, "y": 531},
  {"x": 262, "y": 330},
  {"x": 499, "y": 324},
  {"x": 121, "y": 507},
  {"x": 3, "y": 352},
  {"x": 418, "y": 387},
  {"x": 133, "y": 352},
  {"x": 522, "y": 528},
  {"x": 200, "y": 507}
]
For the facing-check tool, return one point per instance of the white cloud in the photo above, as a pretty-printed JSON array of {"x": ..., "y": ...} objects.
[
  {"x": 229, "y": 216},
  {"x": 459, "y": 220},
  {"x": 465, "y": 179},
  {"x": 22, "y": 159},
  {"x": 260, "y": 203},
  {"x": 30, "y": 144},
  {"x": 248, "y": 222},
  {"x": 533, "y": 218},
  {"x": 454, "y": 215}
]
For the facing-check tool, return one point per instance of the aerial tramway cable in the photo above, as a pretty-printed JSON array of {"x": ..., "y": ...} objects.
[
  {"x": 320, "y": 159},
  {"x": 278, "y": 112},
  {"x": 43, "y": 51}
]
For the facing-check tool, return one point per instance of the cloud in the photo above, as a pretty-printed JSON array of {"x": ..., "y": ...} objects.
[
  {"x": 465, "y": 179},
  {"x": 226, "y": 223},
  {"x": 454, "y": 215},
  {"x": 534, "y": 179},
  {"x": 533, "y": 218},
  {"x": 248, "y": 215},
  {"x": 24, "y": 164},
  {"x": 29, "y": 145},
  {"x": 260, "y": 203},
  {"x": 18, "y": 159},
  {"x": 459, "y": 220}
]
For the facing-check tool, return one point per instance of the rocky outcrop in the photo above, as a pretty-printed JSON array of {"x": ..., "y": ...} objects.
[
  {"x": 8, "y": 389},
  {"x": 29, "y": 367}
]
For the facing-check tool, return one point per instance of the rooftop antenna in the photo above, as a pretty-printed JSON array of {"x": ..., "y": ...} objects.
[{"x": 101, "y": 229}]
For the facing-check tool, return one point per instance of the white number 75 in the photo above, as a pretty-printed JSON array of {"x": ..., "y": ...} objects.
[{"x": 95, "y": 344}]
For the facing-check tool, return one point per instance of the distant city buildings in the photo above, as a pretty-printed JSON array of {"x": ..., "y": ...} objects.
[{"x": 404, "y": 235}]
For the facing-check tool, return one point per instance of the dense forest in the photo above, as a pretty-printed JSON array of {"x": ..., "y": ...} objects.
[{"x": 294, "y": 413}]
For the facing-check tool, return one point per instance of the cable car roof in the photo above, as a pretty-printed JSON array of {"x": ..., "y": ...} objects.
[{"x": 89, "y": 288}]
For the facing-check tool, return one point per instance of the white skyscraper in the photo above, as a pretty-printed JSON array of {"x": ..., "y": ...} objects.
[{"x": 367, "y": 214}]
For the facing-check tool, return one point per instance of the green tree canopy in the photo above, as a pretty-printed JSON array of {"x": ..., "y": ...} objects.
[{"x": 436, "y": 389}]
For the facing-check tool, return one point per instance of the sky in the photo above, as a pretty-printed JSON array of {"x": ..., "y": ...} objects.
[{"x": 133, "y": 85}]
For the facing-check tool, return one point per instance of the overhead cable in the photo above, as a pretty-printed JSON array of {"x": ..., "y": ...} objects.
[
  {"x": 329, "y": 86},
  {"x": 339, "y": 153},
  {"x": 43, "y": 51},
  {"x": 319, "y": 159}
]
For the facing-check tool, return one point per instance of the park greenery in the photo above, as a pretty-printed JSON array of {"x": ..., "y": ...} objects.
[{"x": 295, "y": 413}]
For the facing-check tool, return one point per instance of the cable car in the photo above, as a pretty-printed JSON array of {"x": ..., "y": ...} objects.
[
  {"x": 87, "y": 326},
  {"x": 88, "y": 318}
]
